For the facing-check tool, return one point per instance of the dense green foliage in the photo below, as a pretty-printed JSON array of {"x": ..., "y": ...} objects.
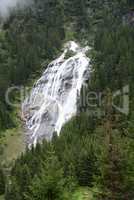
[
  {"x": 53, "y": 170},
  {"x": 95, "y": 149},
  {"x": 2, "y": 182},
  {"x": 29, "y": 39}
]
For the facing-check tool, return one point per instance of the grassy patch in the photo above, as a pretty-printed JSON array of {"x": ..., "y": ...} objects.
[
  {"x": 2, "y": 198},
  {"x": 83, "y": 193},
  {"x": 12, "y": 144}
]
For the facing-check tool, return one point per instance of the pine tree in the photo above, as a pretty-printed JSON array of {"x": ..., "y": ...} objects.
[
  {"x": 50, "y": 183},
  {"x": 110, "y": 168},
  {"x": 2, "y": 182},
  {"x": 85, "y": 167}
]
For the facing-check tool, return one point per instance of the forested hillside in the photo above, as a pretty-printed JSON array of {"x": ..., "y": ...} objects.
[
  {"x": 39, "y": 29},
  {"x": 95, "y": 150}
]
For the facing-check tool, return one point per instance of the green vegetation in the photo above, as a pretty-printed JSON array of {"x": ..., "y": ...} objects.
[
  {"x": 2, "y": 182},
  {"x": 12, "y": 144},
  {"x": 69, "y": 54},
  {"x": 93, "y": 158},
  {"x": 12, "y": 141},
  {"x": 1, "y": 197},
  {"x": 39, "y": 29},
  {"x": 83, "y": 194}
]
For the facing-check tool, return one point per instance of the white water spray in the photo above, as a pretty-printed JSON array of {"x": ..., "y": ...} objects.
[{"x": 53, "y": 99}]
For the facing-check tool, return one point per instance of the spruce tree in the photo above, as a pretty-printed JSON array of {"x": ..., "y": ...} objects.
[
  {"x": 2, "y": 182},
  {"x": 110, "y": 162},
  {"x": 50, "y": 183}
]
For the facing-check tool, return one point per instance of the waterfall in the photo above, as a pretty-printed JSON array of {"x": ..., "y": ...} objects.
[{"x": 53, "y": 99}]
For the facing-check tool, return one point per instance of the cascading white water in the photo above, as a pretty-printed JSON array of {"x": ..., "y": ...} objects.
[{"x": 53, "y": 99}]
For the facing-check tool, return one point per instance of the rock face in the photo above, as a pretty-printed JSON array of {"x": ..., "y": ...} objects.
[{"x": 53, "y": 99}]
